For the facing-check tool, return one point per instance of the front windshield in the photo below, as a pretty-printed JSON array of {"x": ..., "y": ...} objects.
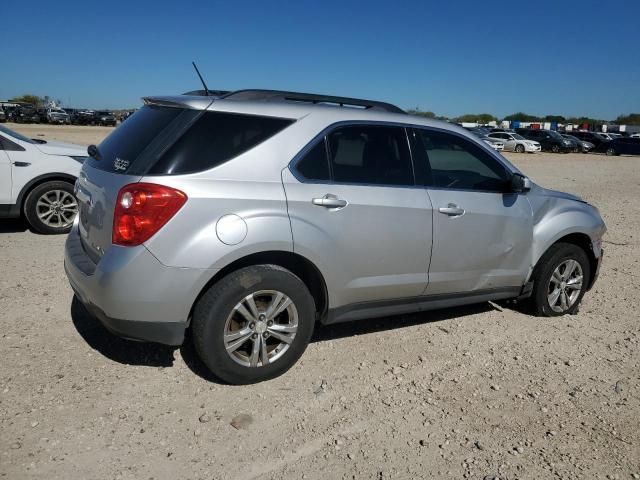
[
  {"x": 57, "y": 110},
  {"x": 13, "y": 134},
  {"x": 518, "y": 136}
]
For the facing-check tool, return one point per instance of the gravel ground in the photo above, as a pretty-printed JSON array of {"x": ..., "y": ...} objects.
[{"x": 476, "y": 392}]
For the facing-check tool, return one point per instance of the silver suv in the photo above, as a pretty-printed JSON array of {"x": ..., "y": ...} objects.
[{"x": 249, "y": 217}]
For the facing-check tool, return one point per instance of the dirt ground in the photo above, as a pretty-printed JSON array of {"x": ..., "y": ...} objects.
[{"x": 476, "y": 392}]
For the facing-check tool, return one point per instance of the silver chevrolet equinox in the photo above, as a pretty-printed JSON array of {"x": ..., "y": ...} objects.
[{"x": 249, "y": 216}]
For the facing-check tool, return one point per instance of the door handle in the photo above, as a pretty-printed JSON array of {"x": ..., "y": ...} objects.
[
  {"x": 329, "y": 201},
  {"x": 21, "y": 164},
  {"x": 452, "y": 210}
]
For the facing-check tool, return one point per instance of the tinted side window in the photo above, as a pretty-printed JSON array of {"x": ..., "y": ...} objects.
[
  {"x": 371, "y": 155},
  {"x": 315, "y": 165},
  {"x": 215, "y": 138},
  {"x": 6, "y": 144},
  {"x": 460, "y": 164}
]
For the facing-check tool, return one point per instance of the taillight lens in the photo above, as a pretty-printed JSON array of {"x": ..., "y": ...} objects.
[{"x": 141, "y": 210}]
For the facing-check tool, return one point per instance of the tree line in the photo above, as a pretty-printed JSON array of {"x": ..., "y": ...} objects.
[{"x": 630, "y": 119}]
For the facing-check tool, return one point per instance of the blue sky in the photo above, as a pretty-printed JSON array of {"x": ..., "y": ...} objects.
[{"x": 539, "y": 56}]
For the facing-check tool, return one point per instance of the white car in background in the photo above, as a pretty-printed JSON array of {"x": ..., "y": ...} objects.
[
  {"x": 635, "y": 135},
  {"x": 37, "y": 179},
  {"x": 494, "y": 143},
  {"x": 514, "y": 142}
]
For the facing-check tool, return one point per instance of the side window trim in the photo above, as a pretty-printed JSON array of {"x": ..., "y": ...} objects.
[
  {"x": 324, "y": 137},
  {"x": 490, "y": 154}
]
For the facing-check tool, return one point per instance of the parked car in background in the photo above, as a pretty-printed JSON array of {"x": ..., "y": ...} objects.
[
  {"x": 549, "y": 140},
  {"x": 249, "y": 218},
  {"x": 514, "y": 142},
  {"x": 104, "y": 118},
  {"x": 83, "y": 117},
  {"x": 613, "y": 135},
  {"x": 26, "y": 114},
  {"x": 620, "y": 146},
  {"x": 3, "y": 116},
  {"x": 36, "y": 181},
  {"x": 57, "y": 115},
  {"x": 634, "y": 135},
  {"x": 580, "y": 145},
  {"x": 596, "y": 138},
  {"x": 483, "y": 134}
]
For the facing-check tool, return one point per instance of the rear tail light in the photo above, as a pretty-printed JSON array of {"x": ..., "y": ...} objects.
[{"x": 141, "y": 210}]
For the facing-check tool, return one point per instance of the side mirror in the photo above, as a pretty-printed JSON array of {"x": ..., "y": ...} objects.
[{"x": 519, "y": 183}]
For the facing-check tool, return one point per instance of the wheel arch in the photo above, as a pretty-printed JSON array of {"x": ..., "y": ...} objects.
[
  {"x": 295, "y": 263},
  {"x": 39, "y": 180},
  {"x": 583, "y": 241}
]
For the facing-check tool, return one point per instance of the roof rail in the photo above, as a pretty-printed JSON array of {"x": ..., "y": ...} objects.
[{"x": 311, "y": 98}]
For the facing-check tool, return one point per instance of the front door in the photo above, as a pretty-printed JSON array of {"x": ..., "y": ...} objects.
[
  {"x": 481, "y": 235},
  {"x": 357, "y": 215}
]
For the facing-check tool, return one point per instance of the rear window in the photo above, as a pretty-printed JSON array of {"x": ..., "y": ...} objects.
[
  {"x": 120, "y": 152},
  {"x": 171, "y": 141},
  {"x": 215, "y": 138}
]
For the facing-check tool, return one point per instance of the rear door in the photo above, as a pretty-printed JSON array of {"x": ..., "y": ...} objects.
[
  {"x": 356, "y": 213},
  {"x": 481, "y": 235}
]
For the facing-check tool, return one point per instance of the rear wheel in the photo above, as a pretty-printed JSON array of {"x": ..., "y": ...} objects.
[
  {"x": 611, "y": 151},
  {"x": 519, "y": 148},
  {"x": 254, "y": 324},
  {"x": 560, "y": 280},
  {"x": 51, "y": 208}
]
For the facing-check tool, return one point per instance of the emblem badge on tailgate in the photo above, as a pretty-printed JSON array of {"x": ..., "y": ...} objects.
[{"x": 120, "y": 164}]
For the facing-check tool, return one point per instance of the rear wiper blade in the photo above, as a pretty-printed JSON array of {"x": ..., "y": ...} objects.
[{"x": 93, "y": 151}]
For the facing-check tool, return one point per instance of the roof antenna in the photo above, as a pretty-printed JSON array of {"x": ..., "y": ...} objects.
[{"x": 206, "y": 90}]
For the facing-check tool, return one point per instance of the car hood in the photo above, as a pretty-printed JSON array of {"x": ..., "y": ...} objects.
[
  {"x": 546, "y": 192},
  {"x": 59, "y": 148}
]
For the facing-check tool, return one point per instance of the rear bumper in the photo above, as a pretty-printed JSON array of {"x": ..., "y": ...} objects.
[{"x": 131, "y": 293}]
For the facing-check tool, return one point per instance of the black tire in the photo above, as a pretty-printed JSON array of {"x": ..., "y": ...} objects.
[
  {"x": 555, "y": 149},
  {"x": 611, "y": 152},
  {"x": 541, "y": 277},
  {"x": 216, "y": 305},
  {"x": 31, "y": 207},
  {"x": 519, "y": 148}
]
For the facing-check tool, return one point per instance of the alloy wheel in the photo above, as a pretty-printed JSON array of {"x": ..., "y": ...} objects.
[
  {"x": 57, "y": 208},
  {"x": 260, "y": 328},
  {"x": 565, "y": 286}
]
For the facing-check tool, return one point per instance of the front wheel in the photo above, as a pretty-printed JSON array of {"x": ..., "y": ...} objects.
[
  {"x": 51, "y": 208},
  {"x": 254, "y": 324},
  {"x": 560, "y": 280},
  {"x": 555, "y": 149},
  {"x": 611, "y": 151},
  {"x": 519, "y": 148}
]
